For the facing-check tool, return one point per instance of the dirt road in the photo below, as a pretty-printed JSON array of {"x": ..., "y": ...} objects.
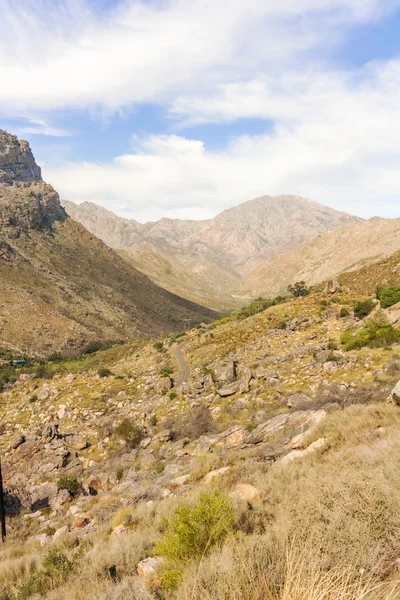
[{"x": 184, "y": 367}]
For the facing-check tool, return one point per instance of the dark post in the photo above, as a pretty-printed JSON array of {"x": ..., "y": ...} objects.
[{"x": 2, "y": 509}]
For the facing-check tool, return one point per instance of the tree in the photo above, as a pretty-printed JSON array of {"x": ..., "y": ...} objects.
[{"x": 299, "y": 289}]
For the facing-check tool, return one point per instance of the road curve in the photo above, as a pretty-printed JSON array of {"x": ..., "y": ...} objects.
[{"x": 184, "y": 367}]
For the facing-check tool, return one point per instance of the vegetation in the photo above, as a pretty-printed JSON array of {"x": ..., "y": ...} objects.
[
  {"x": 344, "y": 312},
  {"x": 388, "y": 295},
  {"x": 363, "y": 308},
  {"x": 97, "y": 345},
  {"x": 103, "y": 372},
  {"x": 299, "y": 289},
  {"x": 376, "y": 333},
  {"x": 69, "y": 483},
  {"x": 193, "y": 531},
  {"x": 130, "y": 432}
]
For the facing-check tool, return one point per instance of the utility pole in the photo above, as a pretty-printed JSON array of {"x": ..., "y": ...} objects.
[{"x": 2, "y": 509}]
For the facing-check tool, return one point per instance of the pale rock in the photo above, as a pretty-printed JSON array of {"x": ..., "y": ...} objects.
[
  {"x": 60, "y": 532},
  {"x": 295, "y": 454},
  {"x": 148, "y": 567},
  {"x": 207, "y": 479},
  {"x": 246, "y": 492}
]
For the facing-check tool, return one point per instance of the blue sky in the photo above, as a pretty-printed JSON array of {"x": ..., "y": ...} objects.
[{"x": 184, "y": 108}]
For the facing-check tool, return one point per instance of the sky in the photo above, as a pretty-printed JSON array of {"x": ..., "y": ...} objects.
[{"x": 183, "y": 108}]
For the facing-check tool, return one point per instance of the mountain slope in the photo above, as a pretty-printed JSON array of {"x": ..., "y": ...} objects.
[
  {"x": 60, "y": 285},
  {"x": 205, "y": 260},
  {"x": 326, "y": 256}
]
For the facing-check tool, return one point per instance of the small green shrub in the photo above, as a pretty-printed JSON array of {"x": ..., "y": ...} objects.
[
  {"x": 104, "y": 372},
  {"x": 251, "y": 427},
  {"x": 172, "y": 394},
  {"x": 299, "y": 289},
  {"x": 388, "y": 295},
  {"x": 363, "y": 308},
  {"x": 282, "y": 325},
  {"x": 344, "y": 312},
  {"x": 159, "y": 346},
  {"x": 193, "y": 531},
  {"x": 130, "y": 432},
  {"x": 165, "y": 372},
  {"x": 69, "y": 483},
  {"x": 376, "y": 333},
  {"x": 32, "y": 399},
  {"x": 332, "y": 345}
]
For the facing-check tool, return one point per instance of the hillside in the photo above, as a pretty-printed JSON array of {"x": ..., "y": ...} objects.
[
  {"x": 325, "y": 257},
  {"x": 204, "y": 260},
  {"x": 248, "y": 462},
  {"x": 61, "y": 285}
]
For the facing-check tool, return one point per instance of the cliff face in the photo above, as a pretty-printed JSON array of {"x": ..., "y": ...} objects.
[
  {"x": 26, "y": 202},
  {"x": 17, "y": 164}
]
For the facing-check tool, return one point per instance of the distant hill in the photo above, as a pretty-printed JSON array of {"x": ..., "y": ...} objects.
[
  {"x": 326, "y": 256},
  {"x": 61, "y": 285}
]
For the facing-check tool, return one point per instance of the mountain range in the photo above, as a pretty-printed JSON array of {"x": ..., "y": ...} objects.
[
  {"x": 62, "y": 286},
  {"x": 206, "y": 261}
]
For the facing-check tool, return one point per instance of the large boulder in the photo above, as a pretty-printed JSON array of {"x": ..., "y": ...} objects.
[
  {"x": 290, "y": 424},
  {"x": 395, "y": 396}
]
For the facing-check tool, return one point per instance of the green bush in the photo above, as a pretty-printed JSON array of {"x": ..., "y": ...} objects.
[
  {"x": 344, "y": 312},
  {"x": 376, "y": 333},
  {"x": 159, "y": 346},
  {"x": 299, "y": 289},
  {"x": 56, "y": 568},
  {"x": 388, "y": 295},
  {"x": 97, "y": 345},
  {"x": 364, "y": 308},
  {"x": 129, "y": 432},
  {"x": 69, "y": 483},
  {"x": 104, "y": 372},
  {"x": 193, "y": 531}
]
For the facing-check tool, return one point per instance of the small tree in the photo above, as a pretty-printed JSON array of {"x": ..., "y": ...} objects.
[
  {"x": 129, "y": 432},
  {"x": 299, "y": 289}
]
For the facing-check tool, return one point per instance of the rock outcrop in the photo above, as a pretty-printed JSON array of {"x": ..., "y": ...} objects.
[{"x": 17, "y": 164}]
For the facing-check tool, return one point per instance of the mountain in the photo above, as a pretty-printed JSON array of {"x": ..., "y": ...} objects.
[
  {"x": 325, "y": 256},
  {"x": 61, "y": 285},
  {"x": 204, "y": 261}
]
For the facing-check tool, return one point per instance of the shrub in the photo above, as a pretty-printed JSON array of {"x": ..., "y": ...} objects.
[
  {"x": 54, "y": 357},
  {"x": 129, "y": 432},
  {"x": 97, "y": 345},
  {"x": 173, "y": 394},
  {"x": 56, "y": 568},
  {"x": 159, "y": 346},
  {"x": 388, "y": 295},
  {"x": 193, "y": 425},
  {"x": 193, "y": 531},
  {"x": 251, "y": 427},
  {"x": 344, "y": 312},
  {"x": 332, "y": 345},
  {"x": 104, "y": 372},
  {"x": 364, "y": 308},
  {"x": 282, "y": 325},
  {"x": 377, "y": 333},
  {"x": 69, "y": 483},
  {"x": 299, "y": 289},
  {"x": 165, "y": 372}
]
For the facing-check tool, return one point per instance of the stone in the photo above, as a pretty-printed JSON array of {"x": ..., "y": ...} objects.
[
  {"x": 179, "y": 481},
  {"x": 19, "y": 440},
  {"x": 60, "y": 532},
  {"x": 295, "y": 454},
  {"x": 215, "y": 474},
  {"x": 226, "y": 373},
  {"x": 297, "y": 423},
  {"x": 332, "y": 287},
  {"x": 120, "y": 529},
  {"x": 232, "y": 437},
  {"x": 395, "y": 395},
  {"x": 43, "y": 496},
  {"x": 148, "y": 567},
  {"x": 163, "y": 385},
  {"x": 17, "y": 164},
  {"x": 246, "y": 492},
  {"x": 44, "y": 393},
  {"x": 81, "y": 521},
  {"x": 77, "y": 442},
  {"x": 62, "y": 498},
  {"x": 298, "y": 400},
  {"x": 230, "y": 390}
]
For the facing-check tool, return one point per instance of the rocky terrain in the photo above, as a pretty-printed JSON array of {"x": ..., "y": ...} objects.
[
  {"x": 60, "y": 285},
  {"x": 205, "y": 260},
  {"x": 194, "y": 466}
]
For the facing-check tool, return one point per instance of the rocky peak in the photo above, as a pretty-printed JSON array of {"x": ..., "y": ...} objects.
[{"x": 17, "y": 163}]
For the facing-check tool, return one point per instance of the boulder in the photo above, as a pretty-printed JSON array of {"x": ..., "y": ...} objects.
[
  {"x": 148, "y": 567},
  {"x": 246, "y": 492},
  {"x": 290, "y": 423},
  {"x": 231, "y": 389},
  {"x": 317, "y": 445},
  {"x": 163, "y": 385},
  {"x": 81, "y": 521},
  {"x": 232, "y": 437},
  {"x": 209, "y": 478},
  {"x": 226, "y": 373},
  {"x": 298, "y": 400},
  {"x": 60, "y": 532},
  {"x": 395, "y": 395},
  {"x": 332, "y": 287}
]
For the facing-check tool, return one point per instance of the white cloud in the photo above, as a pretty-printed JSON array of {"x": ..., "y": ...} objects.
[
  {"x": 62, "y": 55},
  {"x": 41, "y": 127}
]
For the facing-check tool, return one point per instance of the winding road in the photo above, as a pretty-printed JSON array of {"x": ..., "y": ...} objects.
[{"x": 184, "y": 367}]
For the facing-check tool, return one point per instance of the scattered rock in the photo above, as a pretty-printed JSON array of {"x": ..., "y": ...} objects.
[
  {"x": 246, "y": 492},
  {"x": 215, "y": 474},
  {"x": 148, "y": 567},
  {"x": 317, "y": 445}
]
